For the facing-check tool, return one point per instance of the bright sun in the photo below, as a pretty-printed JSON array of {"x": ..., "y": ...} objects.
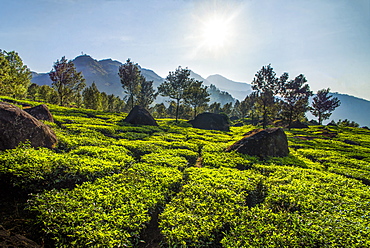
[{"x": 216, "y": 33}]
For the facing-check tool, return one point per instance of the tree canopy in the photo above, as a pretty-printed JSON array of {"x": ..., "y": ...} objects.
[
  {"x": 324, "y": 104},
  {"x": 130, "y": 76},
  {"x": 66, "y": 81},
  {"x": 296, "y": 94},
  {"x": 267, "y": 85},
  {"x": 15, "y": 77},
  {"x": 175, "y": 86}
]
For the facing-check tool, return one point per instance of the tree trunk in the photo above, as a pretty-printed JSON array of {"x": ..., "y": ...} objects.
[{"x": 177, "y": 109}]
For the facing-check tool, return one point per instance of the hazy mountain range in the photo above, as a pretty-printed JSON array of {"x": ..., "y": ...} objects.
[{"x": 105, "y": 75}]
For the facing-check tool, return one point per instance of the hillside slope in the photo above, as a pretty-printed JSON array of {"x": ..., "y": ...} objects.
[{"x": 112, "y": 184}]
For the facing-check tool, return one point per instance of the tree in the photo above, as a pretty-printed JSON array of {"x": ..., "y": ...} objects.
[
  {"x": 15, "y": 77},
  {"x": 324, "y": 104},
  {"x": 215, "y": 108},
  {"x": 147, "y": 94},
  {"x": 196, "y": 95},
  {"x": 104, "y": 101},
  {"x": 115, "y": 104},
  {"x": 47, "y": 94},
  {"x": 227, "y": 108},
  {"x": 159, "y": 110},
  {"x": 296, "y": 94},
  {"x": 267, "y": 86},
  {"x": 175, "y": 86},
  {"x": 92, "y": 97},
  {"x": 130, "y": 76},
  {"x": 247, "y": 107},
  {"x": 66, "y": 81}
]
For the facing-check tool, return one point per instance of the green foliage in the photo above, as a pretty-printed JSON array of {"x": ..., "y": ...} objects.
[
  {"x": 67, "y": 82},
  {"x": 267, "y": 86},
  {"x": 111, "y": 212},
  {"x": 175, "y": 86},
  {"x": 130, "y": 76},
  {"x": 15, "y": 77},
  {"x": 304, "y": 208},
  {"x": 106, "y": 180},
  {"x": 324, "y": 104},
  {"x": 201, "y": 212}
]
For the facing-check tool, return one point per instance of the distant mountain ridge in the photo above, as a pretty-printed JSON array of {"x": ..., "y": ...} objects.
[
  {"x": 103, "y": 72},
  {"x": 105, "y": 75}
]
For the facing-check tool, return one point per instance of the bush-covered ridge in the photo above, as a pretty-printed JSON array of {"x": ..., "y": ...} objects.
[{"x": 105, "y": 180}]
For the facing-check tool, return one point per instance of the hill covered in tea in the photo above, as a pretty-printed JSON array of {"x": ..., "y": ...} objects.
[{"x": 110, "y": 184}]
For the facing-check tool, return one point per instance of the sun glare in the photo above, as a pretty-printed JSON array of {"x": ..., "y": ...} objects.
[
  {"x": 216, "y": 33},
  {"x": 214, "y": 30}
]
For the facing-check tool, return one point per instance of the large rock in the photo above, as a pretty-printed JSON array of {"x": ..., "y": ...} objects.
[
  {"x": 298, "y": 124},
  {"x": 210, "y": 121},
  {"x": 140, "y": 116},
  {"x": 271, "y": 142},
  {"x": 16, "y": 125},
  {"x": 40, "y": 112}
]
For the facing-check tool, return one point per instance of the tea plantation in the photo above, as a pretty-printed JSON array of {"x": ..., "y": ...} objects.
[{"x": 111, "y": 184}]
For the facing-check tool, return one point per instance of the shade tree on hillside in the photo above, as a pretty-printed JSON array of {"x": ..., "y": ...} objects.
[
  {"x": 196, "y": 95},
  {"x": 139, "y": 91},
  {"x": 295, "y": 99},
  {"x": 175, "y": 86},
  {"x": 92, "y": 98},
  {"x": 130, "y": 76},
  {"x": 248, "y": 107},
  {"x": 323, "y": 104},
  {"x": 67, "y": 82},
  {"x": 214, "y": 108},
  {"x": 15, "y": 77},
  {"x": 147, "y": 94},
  {"x": 159, "y": 110},
  {"x": 227, "y": 108},
  {"x": 267, "y": 86}
]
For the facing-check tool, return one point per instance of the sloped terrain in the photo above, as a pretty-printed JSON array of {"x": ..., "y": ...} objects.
[{"x": 112, "y": 184}]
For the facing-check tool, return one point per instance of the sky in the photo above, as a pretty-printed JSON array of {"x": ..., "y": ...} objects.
[{"x": 326, "y": 40}]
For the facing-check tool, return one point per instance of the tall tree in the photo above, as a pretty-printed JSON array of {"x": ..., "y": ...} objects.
[
  {"x": 227, "y": 108},
  {"x": 147, "y": 94},
  {"x": 175, "y": 86},
  {"x": 115, "y": 104},
  {"x": 104, "y": 101},
  {"x": 92, "y": 97},
  {"x": 130, "y": 76},
  {"x": 267, "y": 86},
  {"x": 196, "y": 95},
  {"x": 296, "y": 96},
  {"x": 324, "y": 104},
  {"x": 215, "y": 108},
  {"x": 247, "y": 107},
  {"x": 159, "y": 110},
  {"x": 66, "y": 81},
  {"x": 48, "y": 94},
  {"x": 15, "y": 77}
]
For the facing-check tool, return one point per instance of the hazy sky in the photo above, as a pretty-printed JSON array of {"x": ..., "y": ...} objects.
[{"x": 326, "y": 40}]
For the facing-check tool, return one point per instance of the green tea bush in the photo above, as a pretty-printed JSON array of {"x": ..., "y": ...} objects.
[
  {"x": 227, "y": 159},
  {"x": 37, "y": 169},
  {"x": 110, "y": 212},
  {"x": 304, "y": 208},
  {"x": 209, "y": 200}
]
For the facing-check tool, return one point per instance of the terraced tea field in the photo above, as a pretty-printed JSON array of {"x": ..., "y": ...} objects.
[{"x": 111, "y": 184}]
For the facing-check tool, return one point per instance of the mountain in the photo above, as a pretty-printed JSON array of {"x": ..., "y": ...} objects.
[
  {"x": 351, "y": 108},
  {"x": 217, "y": 95},
  {"x": 105, "y": 75},
  {"x": 103, "y": 72},
  {"x": 236, "y": 89}
]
